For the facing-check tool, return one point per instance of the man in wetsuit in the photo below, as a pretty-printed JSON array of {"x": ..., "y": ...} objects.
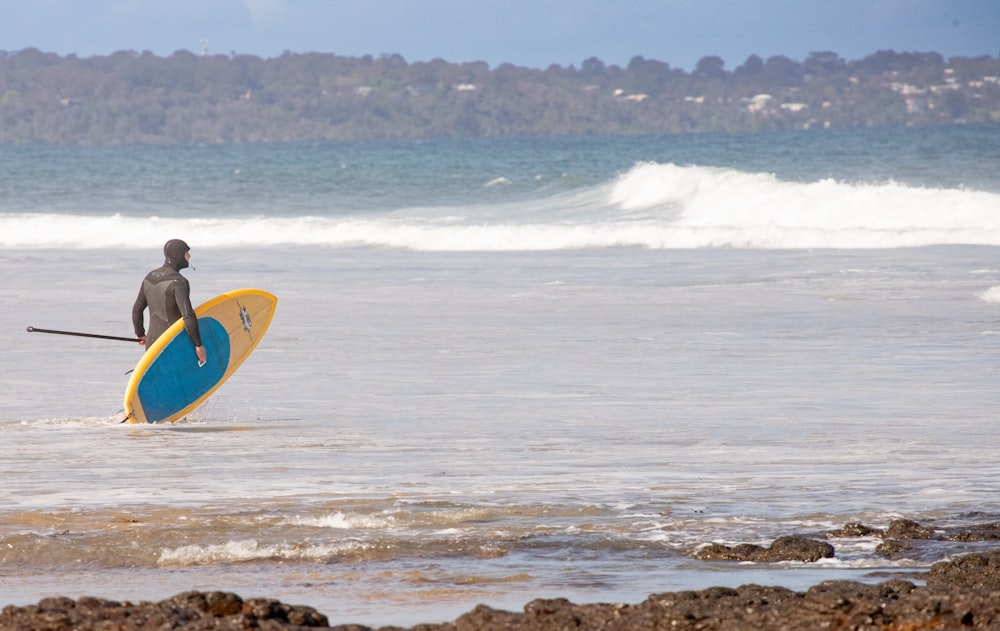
[{"x": 168, "y": 296}]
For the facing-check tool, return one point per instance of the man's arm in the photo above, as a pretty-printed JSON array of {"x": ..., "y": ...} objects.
[
  {"x": 138, "y": 317},
  {"x": 182, "y": 294}
]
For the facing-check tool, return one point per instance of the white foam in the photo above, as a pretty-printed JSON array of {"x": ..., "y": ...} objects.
[
  {"x": 249, "y": 550},
  {"x": 991, "y": 295},
  {"x": 343, "y": 521},
  {"x": 85, "y": 422}
]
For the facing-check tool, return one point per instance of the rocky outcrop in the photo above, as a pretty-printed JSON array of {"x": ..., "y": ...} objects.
[
  {"x": 905, "y": 538},
  {"x": 191, "y": 611},
  {"x": 907, "y": 529},
  {"x": 789, "y": 548},
  {"x": 960, "y": 594},
  {"x": 978, "y": 572}
]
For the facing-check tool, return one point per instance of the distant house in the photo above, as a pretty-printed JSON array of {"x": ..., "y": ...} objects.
[
  {"x": 794, "y": 107},
  {"x": 760, "y": 103},
  {"x": 637, "y": 97},
  {"x": 906, "y": 89}
]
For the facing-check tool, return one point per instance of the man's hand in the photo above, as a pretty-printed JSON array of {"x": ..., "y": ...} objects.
[
  {"x": 202, "y": 356},
  {"x": 142, "y": 340}
]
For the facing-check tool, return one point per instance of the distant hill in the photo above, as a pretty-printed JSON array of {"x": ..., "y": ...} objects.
[{"x": 133, "y": 97}]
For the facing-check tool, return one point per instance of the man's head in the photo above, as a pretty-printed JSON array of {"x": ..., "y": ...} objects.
[{"x": 175, "y": 251}]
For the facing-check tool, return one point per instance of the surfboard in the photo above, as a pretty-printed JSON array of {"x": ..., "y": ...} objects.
[{"x": 168, "y": 383}]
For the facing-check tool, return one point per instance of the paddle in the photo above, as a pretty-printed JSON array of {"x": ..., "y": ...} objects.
[{"x": 32, "y": 329}]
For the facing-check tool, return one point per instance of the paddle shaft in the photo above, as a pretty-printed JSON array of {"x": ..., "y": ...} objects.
[{"x": 32, "y": 329}]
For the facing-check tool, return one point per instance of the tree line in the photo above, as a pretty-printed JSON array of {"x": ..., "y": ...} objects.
[{"x": 131, "y": 97}]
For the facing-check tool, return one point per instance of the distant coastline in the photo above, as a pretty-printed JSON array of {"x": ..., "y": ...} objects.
[{"x": 140, "y": 98}]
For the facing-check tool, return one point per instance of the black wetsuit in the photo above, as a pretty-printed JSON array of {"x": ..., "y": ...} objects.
[{"x": 168, "y": 296}]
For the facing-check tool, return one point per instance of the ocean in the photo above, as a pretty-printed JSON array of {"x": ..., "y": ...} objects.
[{"x": 504, "y": 369}]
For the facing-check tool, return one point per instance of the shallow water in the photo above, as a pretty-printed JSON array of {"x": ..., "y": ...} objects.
[
  {"x": 503, "y": 370},
  {"x": 421, "y": 432}
]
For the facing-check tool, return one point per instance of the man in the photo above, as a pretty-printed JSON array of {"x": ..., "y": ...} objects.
[{"x": 168, "y": 296}]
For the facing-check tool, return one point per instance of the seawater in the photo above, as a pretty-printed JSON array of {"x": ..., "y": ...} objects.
[{"x": 503, "y": 369}]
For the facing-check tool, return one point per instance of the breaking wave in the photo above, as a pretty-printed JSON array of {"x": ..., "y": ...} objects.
[{"x": 652, "y": 205}]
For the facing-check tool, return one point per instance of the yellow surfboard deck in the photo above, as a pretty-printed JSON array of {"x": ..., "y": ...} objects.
[{"x": 167, "y": 383}]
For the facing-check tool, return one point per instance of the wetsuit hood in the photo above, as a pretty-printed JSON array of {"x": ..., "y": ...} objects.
[{"x": 174, "y": 251}]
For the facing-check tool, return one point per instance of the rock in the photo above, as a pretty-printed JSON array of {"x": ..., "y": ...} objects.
[
  {"x": 794, "y": 548},
  {"x": 856, "y": 530},
  {"x": 973, "y": 571},
  {"x": 906, "y": 529},
  {"x": 719, "y": 552},
  {"x": 191, "y": 611},
  {"x": 789, "y": 548},
  {"x": 978, "y": 532},
  {"x": 893, "y": 549},
  {"x": 960, "y": 594}
]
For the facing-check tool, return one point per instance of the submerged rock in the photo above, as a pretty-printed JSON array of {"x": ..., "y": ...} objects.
[
  {"x": 977, "y": 532},
  {"x": 856, "y": 530},
  {"x": 894, "y": 549},
  {"x": 790, "y": 548},
  {"x": 907, "y": 529}
]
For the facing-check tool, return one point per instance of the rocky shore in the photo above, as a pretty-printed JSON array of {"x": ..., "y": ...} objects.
[{"x": 962, "y": 593}]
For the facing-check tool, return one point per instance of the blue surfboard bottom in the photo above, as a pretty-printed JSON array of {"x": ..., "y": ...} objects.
[{"x": 175, "y": 381}]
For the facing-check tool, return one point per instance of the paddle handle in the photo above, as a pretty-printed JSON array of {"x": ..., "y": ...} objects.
[{"x": 32, "y": 329}]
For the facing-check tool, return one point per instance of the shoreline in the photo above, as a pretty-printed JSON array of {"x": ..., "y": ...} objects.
[{"x": 960, "y": 593}]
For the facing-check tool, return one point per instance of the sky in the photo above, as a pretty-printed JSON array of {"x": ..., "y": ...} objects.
[{"x": 529, "y": 33}]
